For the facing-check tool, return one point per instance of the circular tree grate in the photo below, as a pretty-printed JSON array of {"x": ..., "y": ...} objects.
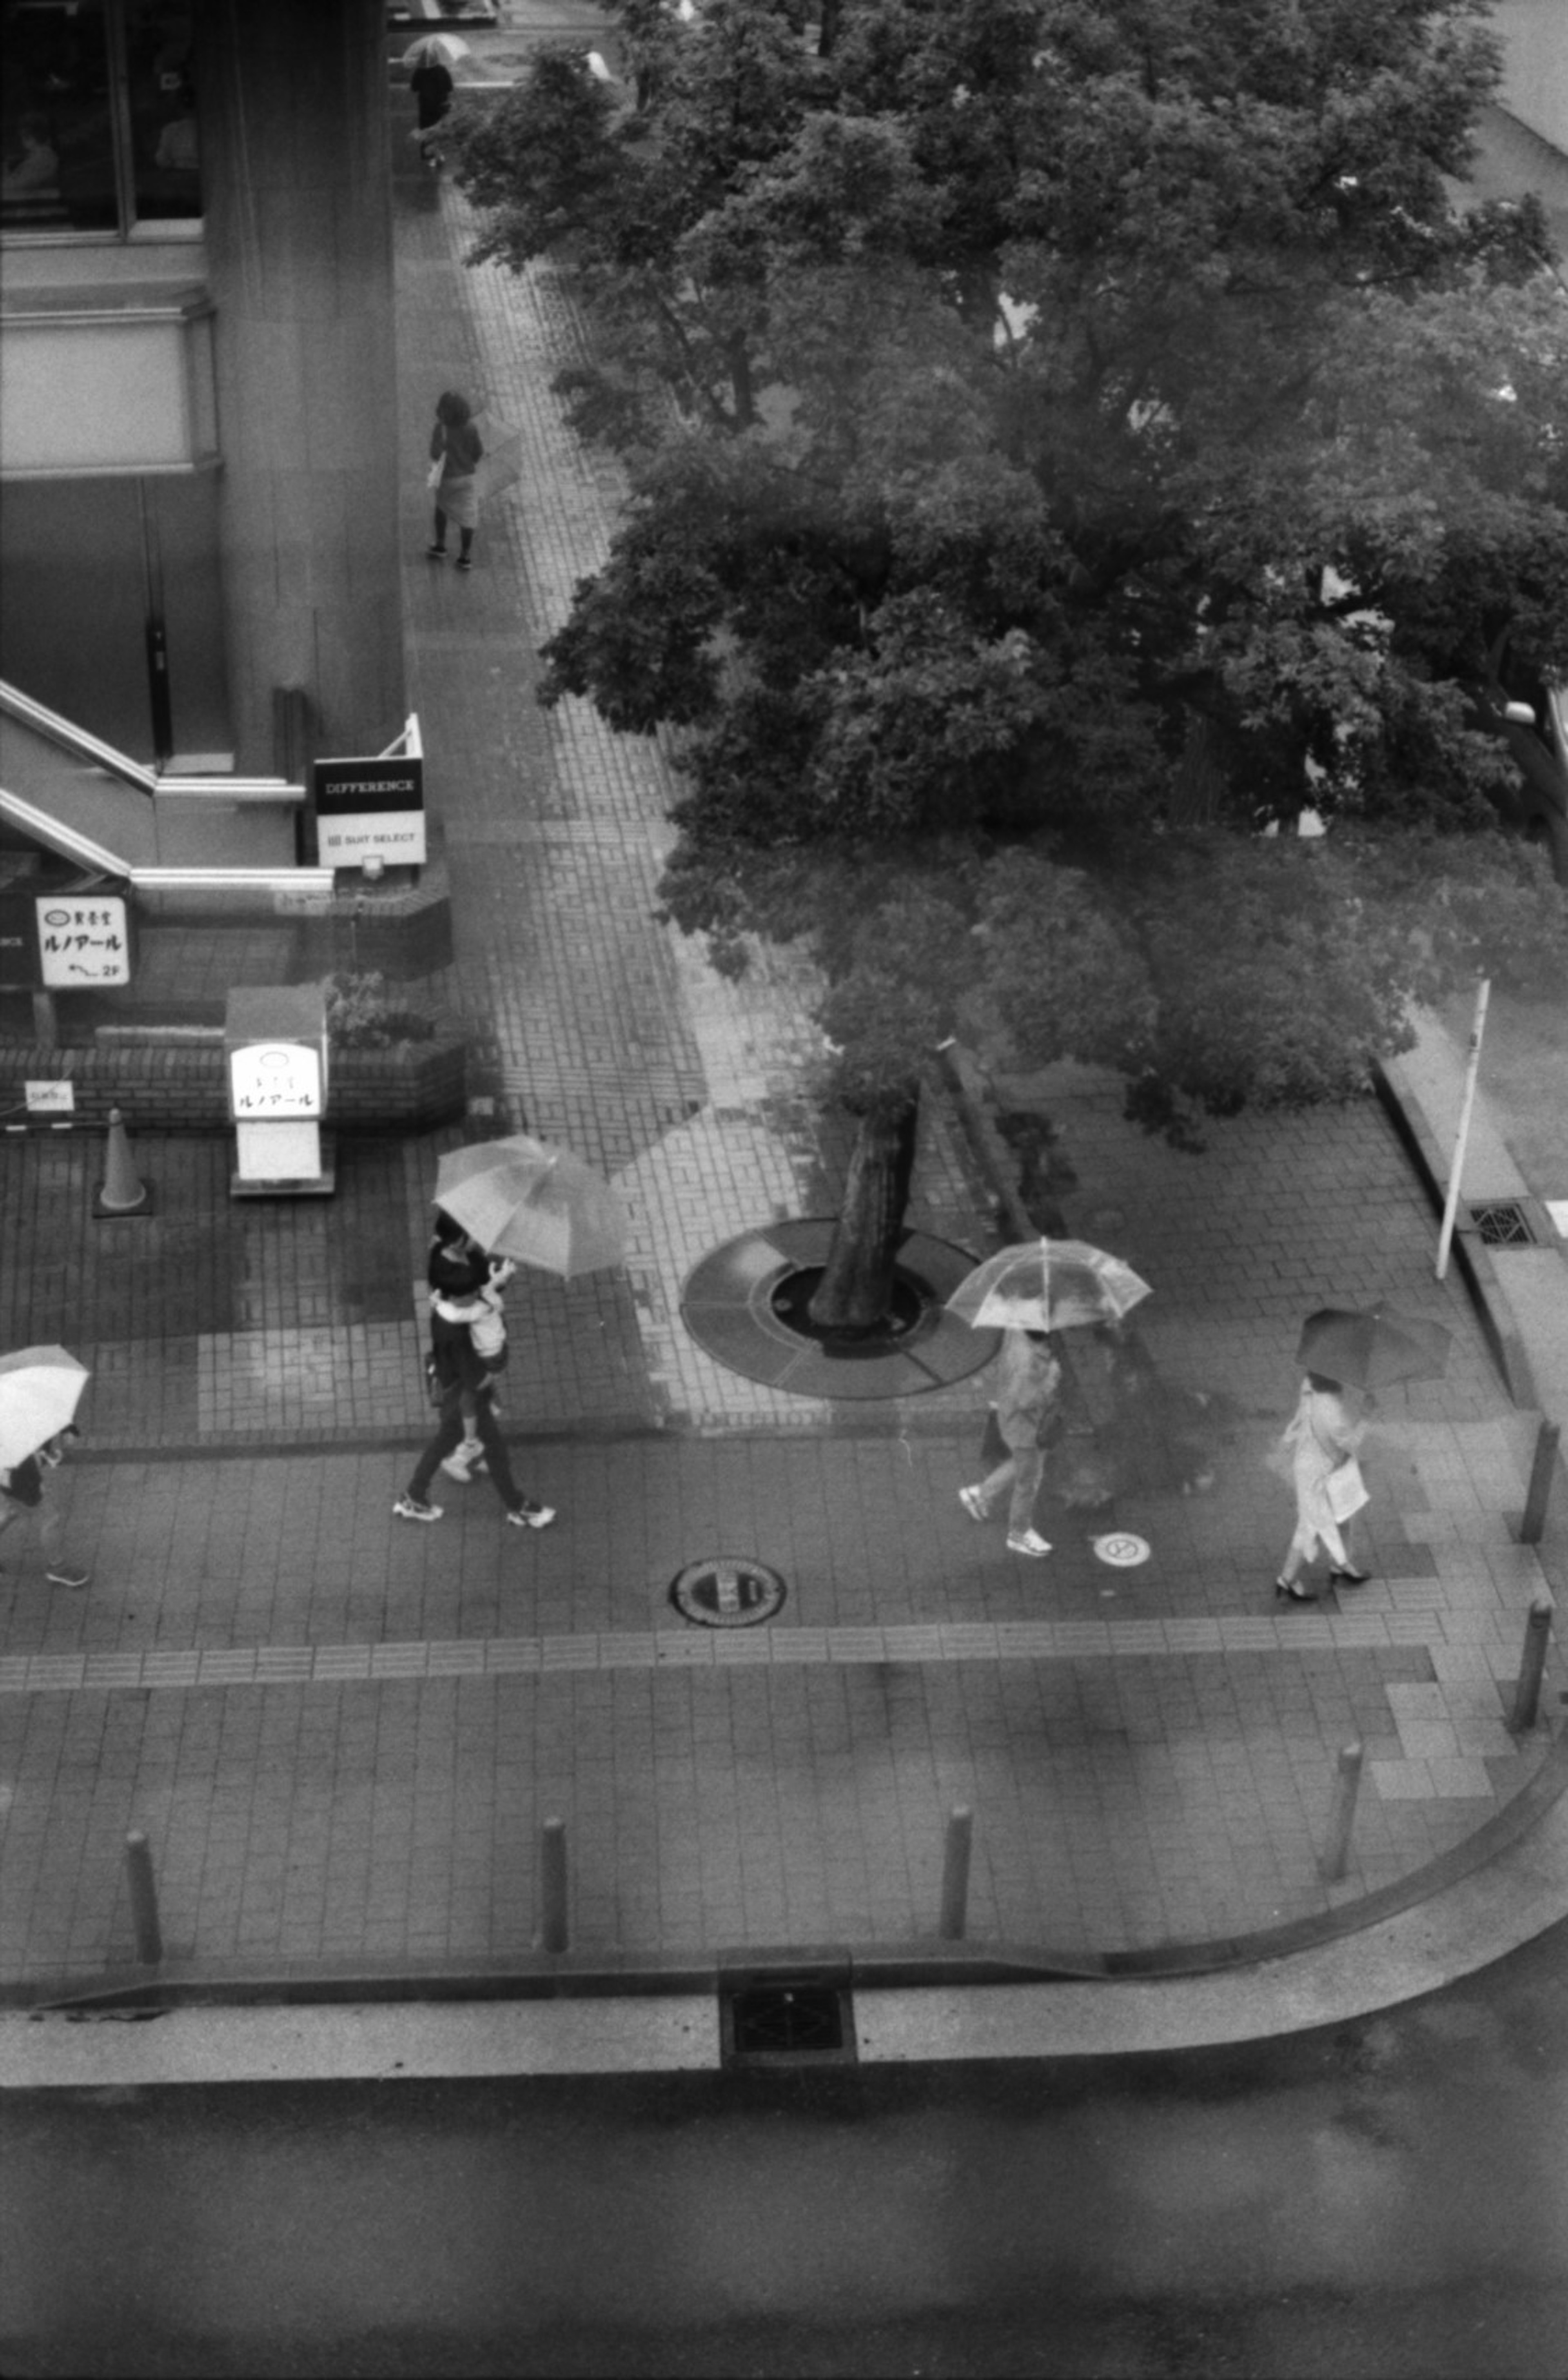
[{"x": 746, "y": 1303}]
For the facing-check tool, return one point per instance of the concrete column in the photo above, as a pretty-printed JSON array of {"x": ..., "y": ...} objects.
[{"x": 293, "y": 100}]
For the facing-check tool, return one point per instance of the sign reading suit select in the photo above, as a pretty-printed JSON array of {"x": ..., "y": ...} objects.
[{"x": 370, "y": 809}]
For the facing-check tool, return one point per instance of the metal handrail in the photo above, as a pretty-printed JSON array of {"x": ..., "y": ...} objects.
[{"x": 71, "y": 738}]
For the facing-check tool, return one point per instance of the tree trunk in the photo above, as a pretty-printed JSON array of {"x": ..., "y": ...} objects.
[
  {"x": 1198, "y": 787},
  {"x": 855, "y": 1294},
  {"x": 827, "y": 39}
]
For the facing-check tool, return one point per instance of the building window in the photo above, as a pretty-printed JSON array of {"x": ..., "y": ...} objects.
[{"x": 100, "y": 115}]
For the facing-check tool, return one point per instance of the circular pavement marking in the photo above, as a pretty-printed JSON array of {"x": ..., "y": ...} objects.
[{"x": 1121, "y": 1549}]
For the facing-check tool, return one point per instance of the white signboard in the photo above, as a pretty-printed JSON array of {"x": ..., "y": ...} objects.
[
  {"x": 50, "y": 1098},
  {"x": 271, "y": 1082},
  {"x": 82, "y": 941},
  {"x": 394, "y": 837}
]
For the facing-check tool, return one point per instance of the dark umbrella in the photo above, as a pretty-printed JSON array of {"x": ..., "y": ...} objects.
[{"x": 1371, "y": 1351}]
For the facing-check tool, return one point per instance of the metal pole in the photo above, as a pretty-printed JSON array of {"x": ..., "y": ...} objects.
[
  {"x": 1451, "y": 1204},
  {"x": 1532, "y": 1661},
  {"x": 956, "y": 1875},
  {"x": 1532, "y": 1528},
  {"x": 553, "y": 1884},
  {"x": 144, "y": 1900},
  {"x": 1342, "y": 1813}
]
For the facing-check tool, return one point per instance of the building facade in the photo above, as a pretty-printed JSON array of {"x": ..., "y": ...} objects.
[{"x": 198, "y": 561}]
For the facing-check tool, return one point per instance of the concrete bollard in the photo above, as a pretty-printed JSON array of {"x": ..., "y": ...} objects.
[
  {"x": 552, "y": 1932},
  {"x": 1342, "y": 1813},
  {"x": 955, "y": 1875},
  {"x": 1532, "y": 1528},
  {"x": 144, "y": 1900},
  {"x": 121, "y": 1192},
  {"x": 1532, "y": 1661}
]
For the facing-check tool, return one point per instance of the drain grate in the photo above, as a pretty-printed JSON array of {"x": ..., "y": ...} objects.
[
  {"x": 1502, "y": 1224},
  {"x": 771, "y": 2024}
]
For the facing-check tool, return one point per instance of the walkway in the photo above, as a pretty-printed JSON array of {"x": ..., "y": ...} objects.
[{"x": 341, "y": 1734}]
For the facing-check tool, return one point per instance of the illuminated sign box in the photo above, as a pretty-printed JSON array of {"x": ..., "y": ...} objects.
[
  {"x": 370, "y": 809},
  {"x": 65, "y": 942},
  {"x": 276, "y": 1045}
]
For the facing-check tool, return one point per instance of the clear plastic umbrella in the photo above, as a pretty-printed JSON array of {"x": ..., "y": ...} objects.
[
  {"x": 446, "y": 49},
  {"x": 525, "y": 1198},
  {"x": 40, "y": 1389},
  {"x": 1047, "y": 1285}
]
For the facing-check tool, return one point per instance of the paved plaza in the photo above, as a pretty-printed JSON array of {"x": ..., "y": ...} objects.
[{"x": 340, "y": 1734}]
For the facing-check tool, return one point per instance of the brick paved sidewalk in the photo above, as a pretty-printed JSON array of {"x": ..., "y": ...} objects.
[{"x": 340, "y": 1732}]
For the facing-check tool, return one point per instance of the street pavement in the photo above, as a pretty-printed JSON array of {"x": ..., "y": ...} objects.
[{"x": 341, "y": 1734}]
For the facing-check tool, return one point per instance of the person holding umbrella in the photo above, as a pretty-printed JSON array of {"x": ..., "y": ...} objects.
[
  {"x": 40, "y": 1389},
  {"x": 1344, "y": 1355},
  {"x": 21, "y": 1497},
  {"x": 1026, "y": 1291},
  {"x": 1318, "y": 1446},
  {"x": 431, "y": 85},
  {"x": 1029, "y": 1380},
  {"x": 461, "y": 1372}
]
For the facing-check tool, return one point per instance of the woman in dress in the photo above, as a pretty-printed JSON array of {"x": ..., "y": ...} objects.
[{"x": 1320, "y": 1439}]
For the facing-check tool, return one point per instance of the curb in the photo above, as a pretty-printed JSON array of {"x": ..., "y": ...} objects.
[
  {"x": 917, "y": 1966},
  {"x": 1476, "y": 1269}
]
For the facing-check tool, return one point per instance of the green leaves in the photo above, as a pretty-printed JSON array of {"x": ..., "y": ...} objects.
[{"x": 1053, "y": 423}]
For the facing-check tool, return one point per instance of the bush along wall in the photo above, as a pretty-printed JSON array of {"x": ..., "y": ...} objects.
[{"x": 410, "y": 1087}]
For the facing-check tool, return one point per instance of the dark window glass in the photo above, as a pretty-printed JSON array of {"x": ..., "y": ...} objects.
[
  {"x": 165, "y": 161},
  {"x": 71, "y": 115},
  {"x": 58, "y": 141}
]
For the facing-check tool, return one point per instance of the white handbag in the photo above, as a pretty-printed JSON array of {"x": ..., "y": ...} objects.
[{"x": 1346, "y": 1489}]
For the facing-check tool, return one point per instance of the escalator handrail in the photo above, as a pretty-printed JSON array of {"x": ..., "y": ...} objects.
[{"x": 55, "y": 730}]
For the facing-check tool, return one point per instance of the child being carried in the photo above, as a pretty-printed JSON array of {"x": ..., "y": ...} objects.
[{"x": 483, "y": 1311}]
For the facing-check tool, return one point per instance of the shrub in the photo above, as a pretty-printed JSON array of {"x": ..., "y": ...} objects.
[{"x": 360, "y": 1015}]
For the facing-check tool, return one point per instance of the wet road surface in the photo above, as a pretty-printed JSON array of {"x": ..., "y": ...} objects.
[{"x": 1387, "y": 2200}]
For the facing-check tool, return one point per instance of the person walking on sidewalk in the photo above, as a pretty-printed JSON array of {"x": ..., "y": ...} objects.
[
  {"x": 456, "y": 445},
  {"x": 483, "y": 1316},
  {"x": 431, "y": 85},
  {"x": 461, "y": 1370},
  {"x": 22, "y": 1497},
  {"x": 1318, "y": 1451},
  {"x": 1027, "y": 1416}
]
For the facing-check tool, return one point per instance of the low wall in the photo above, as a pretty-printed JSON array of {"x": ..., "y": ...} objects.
[{"x": 181, "y": 1085}]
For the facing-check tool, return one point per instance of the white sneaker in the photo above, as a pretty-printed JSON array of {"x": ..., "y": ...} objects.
[
  {"x": 1031, "y": 1542},
  {"x": 973, "y": 1503}
]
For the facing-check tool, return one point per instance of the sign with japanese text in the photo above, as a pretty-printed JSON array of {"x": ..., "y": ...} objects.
[
  {"x": 82, "y": 941},
  {"x": 50, "y": 1098},
  {"x": 272, "y": 1081},
  {"x": 370, "y": 809}
]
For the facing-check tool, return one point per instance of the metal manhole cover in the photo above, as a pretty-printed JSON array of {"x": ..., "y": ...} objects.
[
  {"x": 722, "y": 1592},
  {"x": 1121, "y": 1549}
]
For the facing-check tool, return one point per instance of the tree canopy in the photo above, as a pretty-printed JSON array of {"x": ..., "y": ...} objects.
[{"x": 1069, "y": 439}]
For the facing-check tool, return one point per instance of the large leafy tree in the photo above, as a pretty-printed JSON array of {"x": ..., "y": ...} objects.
[{"x": 1069, "y": 439}]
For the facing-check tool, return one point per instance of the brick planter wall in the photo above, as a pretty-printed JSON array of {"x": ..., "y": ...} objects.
[{"x": 181, "y": 1087}]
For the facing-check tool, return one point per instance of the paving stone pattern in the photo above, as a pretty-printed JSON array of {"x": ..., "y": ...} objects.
[{"x": 341, "y": 1732}]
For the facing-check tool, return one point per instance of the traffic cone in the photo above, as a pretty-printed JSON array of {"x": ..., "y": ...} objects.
[{"x": 121, "y": 1192}]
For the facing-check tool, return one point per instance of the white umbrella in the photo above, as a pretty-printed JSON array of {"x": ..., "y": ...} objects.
[
  {"x": 40, "y": 1389},
  {"x": 526, "y": 1199},
  {"x": 444, "y": 48},
  {"x": 1047, "y": 1285}
]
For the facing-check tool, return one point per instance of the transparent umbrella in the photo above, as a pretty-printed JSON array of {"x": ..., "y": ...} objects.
[
  {"x": 525, "y": 1198},
  {"x": 40, "y": 1389},
  {"x": 1047, "y": 1285},
  {"x": 441, "y": 49}
]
